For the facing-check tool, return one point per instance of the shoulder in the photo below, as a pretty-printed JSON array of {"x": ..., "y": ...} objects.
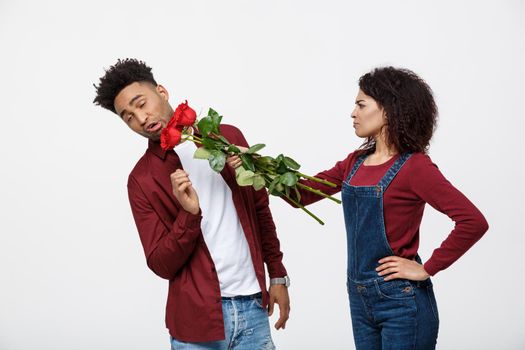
[
  {"x": 233, "y": 134},
  {"x": 228, "y": 129},
  {"x": 345, "y": 166},
  {"x": 142, "y": 168},
  {"x": 420, "y": 161},
  {"x": 354, "y": 156}
]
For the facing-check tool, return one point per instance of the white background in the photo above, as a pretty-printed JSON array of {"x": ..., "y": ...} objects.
[{"x": 72, "y": 270}]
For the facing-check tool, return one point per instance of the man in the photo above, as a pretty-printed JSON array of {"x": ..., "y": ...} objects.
[{"x": 201, "y": 231}]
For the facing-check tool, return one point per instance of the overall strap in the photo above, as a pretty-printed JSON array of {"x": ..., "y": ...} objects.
[
  {"x": 392, "y": 172},
  {"x": 357, "y": 164}
]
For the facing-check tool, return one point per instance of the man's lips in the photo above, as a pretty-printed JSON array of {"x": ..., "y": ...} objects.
[{"x": 154, "y": 127}]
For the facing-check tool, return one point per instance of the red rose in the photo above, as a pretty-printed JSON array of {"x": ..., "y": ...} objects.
[
  {"x": 185, "y": 115},
  {"x": 170, "y": 136}
]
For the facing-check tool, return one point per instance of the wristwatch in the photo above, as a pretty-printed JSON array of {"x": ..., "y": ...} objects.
[{"x": 284, "y": 280}]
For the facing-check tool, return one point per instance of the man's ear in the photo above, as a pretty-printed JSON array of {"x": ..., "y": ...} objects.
[{"x": 163, "y": 92}]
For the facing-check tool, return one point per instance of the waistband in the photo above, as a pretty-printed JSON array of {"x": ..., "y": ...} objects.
[
  {"x": 243, "y": 297},
  {"x": 381, "y": 280}
]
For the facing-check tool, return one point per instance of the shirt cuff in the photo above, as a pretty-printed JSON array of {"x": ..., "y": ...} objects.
[
  {"x": 277, "y": 270},
  {"x": 187, "y": 221},
  {"x": 430, "y": 268}
]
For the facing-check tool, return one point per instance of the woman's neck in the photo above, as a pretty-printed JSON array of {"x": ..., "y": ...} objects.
[{"x": 382, "y": 150}]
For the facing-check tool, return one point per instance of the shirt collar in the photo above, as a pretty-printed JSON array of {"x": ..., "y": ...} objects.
[{"x": 154, "y": 147}]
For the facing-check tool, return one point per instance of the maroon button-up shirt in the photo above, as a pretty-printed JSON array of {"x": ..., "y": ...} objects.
[{"x": 175, "y": 247}]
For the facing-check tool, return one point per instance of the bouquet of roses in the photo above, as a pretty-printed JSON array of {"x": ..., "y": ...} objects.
[{"x": 279, "y": 175}]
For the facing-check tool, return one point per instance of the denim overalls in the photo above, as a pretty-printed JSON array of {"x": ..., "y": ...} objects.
[{"x": 396, "y": 314}]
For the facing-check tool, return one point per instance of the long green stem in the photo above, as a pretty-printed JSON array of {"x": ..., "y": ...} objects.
[
  {"x": 318, "y": 192},
  {"x": 316, "y": 179},
  {"x": 194, "y": 140},
  {"x": 303, "y": 208}
]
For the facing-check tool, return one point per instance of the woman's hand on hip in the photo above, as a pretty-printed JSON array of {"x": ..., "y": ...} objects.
[{"x": 393, "y": 267}]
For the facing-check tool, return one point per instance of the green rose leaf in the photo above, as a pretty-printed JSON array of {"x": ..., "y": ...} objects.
[
  {"x": 216, "y": 124},
  {"x": 205, "y": 126},
  {"x": 265, "y": 161},
  {"x": 212, "y": 113},
  {"x": 233, "y": 149},
  {"x": 245, "y": 178},
  {"x": 217, "y": 160},
  {"x": 202, "y": 153},
  {"x": 215, "y": 121},
  {"x": 211, "y": 144},
  {"x": 224, "y": 140},
  {"x": 290, "y": 163},
  {"x": 247, "y": 162},
  {"x": 282, "y": 168},
  {"x": 288, "y": 179},
  {"x": 258, "y": 182},
  {"x": 273, "y": 184},
  {"x": 239, "y": 170},
  {"x": 255, "y": 148}
]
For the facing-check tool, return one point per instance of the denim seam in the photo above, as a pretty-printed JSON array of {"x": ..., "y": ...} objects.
[
  {"x": 385, "y": 239},
  {"x": 432, "y": 302},
  {"x": 235, "y": 326}
]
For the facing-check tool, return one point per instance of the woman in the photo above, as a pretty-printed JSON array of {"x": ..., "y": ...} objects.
[{"x": 385, "y": 185}]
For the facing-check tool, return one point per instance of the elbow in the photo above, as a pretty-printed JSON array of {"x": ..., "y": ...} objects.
[
  {"x": 159, "y": 268},
  {"x": 480, "y": 226},
  {"x": 483, "y": 225}
]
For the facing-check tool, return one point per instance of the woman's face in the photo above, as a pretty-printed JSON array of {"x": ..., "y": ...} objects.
[{"x": 368, "y": 117}]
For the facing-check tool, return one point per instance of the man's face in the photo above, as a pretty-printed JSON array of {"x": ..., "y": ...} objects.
[{"x": 144, "y": 108}]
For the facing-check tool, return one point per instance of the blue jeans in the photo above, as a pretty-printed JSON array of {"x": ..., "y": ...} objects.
[
  {"x": 246, "y": 327},
  {"x": 397, "y": 314}
]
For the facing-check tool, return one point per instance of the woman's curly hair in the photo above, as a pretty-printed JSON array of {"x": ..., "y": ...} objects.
[
  {"x": 411, "y": 112},
  {"x": 117, "y": 77}
]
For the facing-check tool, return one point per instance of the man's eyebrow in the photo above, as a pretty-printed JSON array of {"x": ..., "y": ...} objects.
[
  {"x": 130, "y": 103},
  {"x": 134, "y": 99}
]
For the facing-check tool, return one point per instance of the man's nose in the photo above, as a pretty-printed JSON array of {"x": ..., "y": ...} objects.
[{"x": 142, "y": 118}]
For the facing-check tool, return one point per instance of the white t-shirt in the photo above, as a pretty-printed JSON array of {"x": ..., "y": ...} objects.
[{"x": 220, "y": 226}]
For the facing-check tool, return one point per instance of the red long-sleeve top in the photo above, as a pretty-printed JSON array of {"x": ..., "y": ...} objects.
[{"x": 418, "y": 182}]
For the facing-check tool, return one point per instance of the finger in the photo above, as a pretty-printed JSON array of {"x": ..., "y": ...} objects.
[
  {"x": 281, "y": 323},
  {"x": 388, "y": 271},
  {"x": 179, "y": 182},
  {"x": 270, "y": 306},
  {"x": 386, "y": 265},
  {"x": 389, "y": 259},
  {"x": 179, "y": 176},
  {"x": 182, "y": 188},
  {"x": 283, "y": 317}
]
